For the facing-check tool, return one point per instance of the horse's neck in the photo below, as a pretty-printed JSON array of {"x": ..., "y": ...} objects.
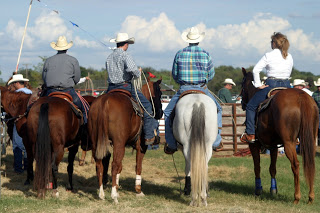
[{"x": 15, "y": 104}]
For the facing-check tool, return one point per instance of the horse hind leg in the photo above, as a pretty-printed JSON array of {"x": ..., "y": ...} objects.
[
  {"x": 273, "y": 171},
  {"x": 255, "y": 152},
  {"x": 99, "y": 170}
]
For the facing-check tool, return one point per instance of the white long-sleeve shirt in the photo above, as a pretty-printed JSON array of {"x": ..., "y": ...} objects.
[{"x": 275, "y": 65}]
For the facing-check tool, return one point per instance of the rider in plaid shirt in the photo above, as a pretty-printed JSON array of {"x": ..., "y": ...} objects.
[{"x": 192, "y": 69}]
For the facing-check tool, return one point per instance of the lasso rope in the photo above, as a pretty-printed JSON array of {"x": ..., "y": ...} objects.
[{"x": 137, "y": 84}]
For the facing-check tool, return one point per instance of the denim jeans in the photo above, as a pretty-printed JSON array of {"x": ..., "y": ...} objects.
[
  {"x": 149, "y": 123},
  {"x": 260, "y": 96},
  {"x": 168, "y": 128},
  {"x": 19, "y": 151},
  {"x": 75, "y": 97}
]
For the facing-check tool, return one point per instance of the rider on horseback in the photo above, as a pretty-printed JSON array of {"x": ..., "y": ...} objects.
[
  {"x": 121, "y": 69},
  {"x": 61, "y": 73},
  {"x": 192, "y": 69},
  {"x": 278, "y": 64}
]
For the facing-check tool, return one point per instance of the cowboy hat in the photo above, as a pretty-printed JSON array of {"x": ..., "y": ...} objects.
[
  {"x": 317, "y": 83},
  {"x": 298, "y": 82},
  {"x": 17, "y": 78},
  {"x": 193, "y": 36},
  {"x": 229, "y": 81},
  {"x": 61, "y": 44},
  {"x": 122, "y": 37}
]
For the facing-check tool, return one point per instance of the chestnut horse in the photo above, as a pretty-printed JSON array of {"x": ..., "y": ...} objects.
[
  {"x": 52, "y": 126},
  {"x": 291, "y": 115},
  {"x": 15, "y": 104},
  {"x": 113, "y": 120}
]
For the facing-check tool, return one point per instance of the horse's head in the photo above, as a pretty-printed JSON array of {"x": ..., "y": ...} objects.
[
  {"x": 247, "y": 88},
  {"x": 156, "y": 96}
]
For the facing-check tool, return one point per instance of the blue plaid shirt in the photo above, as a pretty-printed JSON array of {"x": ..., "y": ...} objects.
[
  {"x": 192, "y": 65},
  {"x": 121, "y": 67}
]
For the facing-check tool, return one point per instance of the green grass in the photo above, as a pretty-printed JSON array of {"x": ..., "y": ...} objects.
[{"x": 231, "y": 188}]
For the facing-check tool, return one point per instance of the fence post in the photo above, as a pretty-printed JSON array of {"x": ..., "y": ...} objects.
[{"x": 234, "y": 116}]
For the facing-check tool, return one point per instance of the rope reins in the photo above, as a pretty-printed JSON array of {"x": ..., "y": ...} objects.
[{"x": 137, "y": 84}]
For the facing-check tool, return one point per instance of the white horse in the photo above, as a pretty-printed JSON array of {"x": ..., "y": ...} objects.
[{"x": 195, "y": 126}]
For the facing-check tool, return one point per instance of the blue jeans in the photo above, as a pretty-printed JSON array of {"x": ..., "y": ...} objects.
[
  {"x": 171, "y": 141},
  {"x": 260, "y": 96},
  {"x": 19, "y": 151},
  {"x": 75, "y": 97},
  {"x": 149, "y": 123}
]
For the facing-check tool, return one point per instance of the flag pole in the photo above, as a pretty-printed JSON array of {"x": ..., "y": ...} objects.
[{"x": 24, "y": 33}]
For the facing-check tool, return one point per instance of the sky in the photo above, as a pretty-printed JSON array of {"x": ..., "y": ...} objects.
[{"x": 237, "y": 31}]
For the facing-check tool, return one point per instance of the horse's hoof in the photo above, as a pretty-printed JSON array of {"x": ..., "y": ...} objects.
[
  {"x": 310, "y": 201},
  {"x": 273, "y": 192},
  {"x": 27, "y": 182},
  {"x": 140, "y": 194},
  {"x": 115, "y": 200},
  {"x": 258, "y": 192},
  {"x": 295, "y": 201}
]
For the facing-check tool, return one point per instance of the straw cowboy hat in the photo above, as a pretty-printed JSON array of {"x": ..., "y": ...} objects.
[
  {"x": 61, "y": 44},
  {"x": 317, "y": 83},
  {"x": 17, "y": 78},
  {"x": 193, "y": 36},
  {"x": 229, "y": 81},
  {"x": 298, "y": 82},
  {"x": 122, "y": 37}
]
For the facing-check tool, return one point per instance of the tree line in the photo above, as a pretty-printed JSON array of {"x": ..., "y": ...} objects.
[{"x": 99, "y": 77}]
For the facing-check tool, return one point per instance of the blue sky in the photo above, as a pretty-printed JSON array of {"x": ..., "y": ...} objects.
[{"x": 237, "y": 31}]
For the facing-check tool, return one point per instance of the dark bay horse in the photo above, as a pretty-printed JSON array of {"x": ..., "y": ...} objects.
[
  {"x": 15, "y": 104},
  {"x": 291, "y": 115},
  {"x": 52, "y": 126},
  {"x": 113, "y": 121}
]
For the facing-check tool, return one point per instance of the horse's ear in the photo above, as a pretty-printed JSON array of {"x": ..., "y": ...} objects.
[
  {"x": 148, "y": 79},
  {"x": 160, "y": 79},
  {"x": 244, "y": 71}
]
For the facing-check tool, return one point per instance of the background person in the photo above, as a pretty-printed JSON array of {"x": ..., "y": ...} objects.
[
  {"x": 224, "y": 94},
  {"x": 19, "y": 152},
  {"x": 278, "y": 64},
  {"x": 192, "y": 69},
  {"x": 316, "y": 97}
]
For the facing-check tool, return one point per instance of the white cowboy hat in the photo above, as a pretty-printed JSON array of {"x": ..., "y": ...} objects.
[
  {"x": 229, "y": 81},
  {"x": 317, "y": 83},
  {"x": 298, "y": 82},
  {"x": 17, "y": 78},
  {"x": 193, "y": 36},
  {"x": 61, "y": 44},
  {"x": 122, "y": 37}
]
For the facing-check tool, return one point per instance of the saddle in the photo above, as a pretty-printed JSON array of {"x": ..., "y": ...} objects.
[
  {"x": 135, "y": 105},
  {"x": 69, "y": 99},
  {"x": 173, "y": 113}
]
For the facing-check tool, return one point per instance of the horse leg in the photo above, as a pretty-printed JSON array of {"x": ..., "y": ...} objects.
[
  {"x": 105, "y": 163},
  {"x": 30, "y": 157},
  {"x": 118, "y": 154},
  {"x": 255, "y": 152},
  {"x": 83, "y": 157},
  {"x": 290, "y": 150},
  {"x": 56, "y": 159},
  {"x": 273, "y": 171},
  {"x": 99, "y": 170},
  {"x": 72, "y": 154},
  {"x": 139, "y": 158}
]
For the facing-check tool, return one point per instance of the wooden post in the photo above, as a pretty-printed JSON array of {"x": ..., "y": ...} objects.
[{"x": 234, "y": 116}]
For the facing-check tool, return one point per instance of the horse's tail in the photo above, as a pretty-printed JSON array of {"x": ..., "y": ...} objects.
[
  {"x": 43, "y": 150},
  {"x": 102, "y": 128},
  {"x": 308, "y": 132},
  {"x": 199, "y": 167}
]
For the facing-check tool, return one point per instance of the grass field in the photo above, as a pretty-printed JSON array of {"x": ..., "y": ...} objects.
[{"x": 231, "y": 182}]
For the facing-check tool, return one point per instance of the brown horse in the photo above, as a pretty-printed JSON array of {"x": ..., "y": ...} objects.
[
  {"x": 291, "y": 115},
  {"x": 112, "y": 120},
  {"x": 52, "y": 126},
  {"x": 15, "y": 104}
]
